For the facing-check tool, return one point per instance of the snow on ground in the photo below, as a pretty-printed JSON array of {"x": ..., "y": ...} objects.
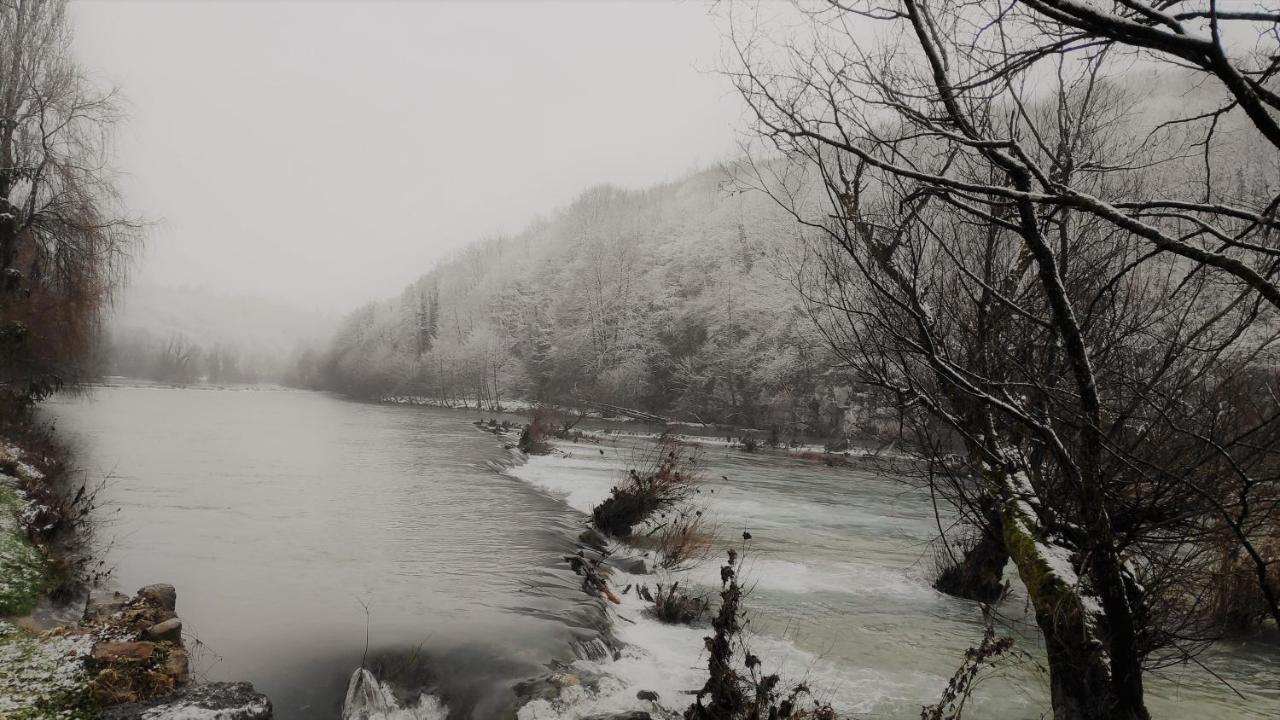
[
  {"x": 22, "y": 566},
  {"x": 41, "y": 672}
]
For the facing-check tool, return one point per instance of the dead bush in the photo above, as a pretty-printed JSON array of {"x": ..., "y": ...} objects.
[
  {"x": 682, "y": 539},
  {"x": 1237, "y": 605},
  {"x": 674, "y": 606},
  {"x": 737, "y": 686},
  {"x": 535, "y": 439},
  {"x": 667, "y": 479},
  {"x": 988, "y": 655}
]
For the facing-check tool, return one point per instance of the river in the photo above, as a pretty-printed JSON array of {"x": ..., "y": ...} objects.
[{"x": 306, "y": 533}]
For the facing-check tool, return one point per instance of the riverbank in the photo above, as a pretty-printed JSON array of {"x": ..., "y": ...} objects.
[{"x": 122, "y": 656}]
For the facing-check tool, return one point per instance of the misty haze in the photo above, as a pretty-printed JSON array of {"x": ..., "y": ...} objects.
[{"x": 665, "y": 360}]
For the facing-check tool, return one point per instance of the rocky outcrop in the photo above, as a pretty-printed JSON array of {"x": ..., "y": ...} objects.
[
  {"x": 139, "y": 668},
  {"x": 137, "y": 653},
  {"x": 210, "y": 701}
]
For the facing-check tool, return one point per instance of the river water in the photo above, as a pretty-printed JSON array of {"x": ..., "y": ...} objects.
[{"x": 307, "y": 533}]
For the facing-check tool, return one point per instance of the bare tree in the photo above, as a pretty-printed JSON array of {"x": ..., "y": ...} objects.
[
  {"x": 63, "y": 238},
  {"x": 1004, "y": 249}
]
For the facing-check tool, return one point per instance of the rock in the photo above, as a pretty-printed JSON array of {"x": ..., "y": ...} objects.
[
  {"x": 128, "y": 652},
  {"x": 170, "y": 630},
  {"x": 565, "y": 679},
  {"x": 551, "y": 685},
  {"x": 102, "y": 605},
  {"x": 647, "y": 695},
  {"x": 177, "y": 665},
  {"x": 212, "y": 701},
  {"x": 161, "y": 595}
]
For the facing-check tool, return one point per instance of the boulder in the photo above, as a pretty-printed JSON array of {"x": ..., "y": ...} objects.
[
  {"x": 177, "y": 665},
  {"x": 211, "y": 701},
  {"x": 160, "y": 595},
  {"x": 127, "y": 652},
  {"x": 168, "y": 631}
]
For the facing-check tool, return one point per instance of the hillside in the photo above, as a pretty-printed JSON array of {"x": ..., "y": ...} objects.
[{"x": 674, "y": 299}]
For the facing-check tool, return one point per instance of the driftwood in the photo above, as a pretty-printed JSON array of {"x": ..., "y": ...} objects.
[{"x": 593, "y": 581}]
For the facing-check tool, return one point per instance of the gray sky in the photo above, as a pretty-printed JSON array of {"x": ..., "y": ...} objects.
[{"x": 325, "y": 153}]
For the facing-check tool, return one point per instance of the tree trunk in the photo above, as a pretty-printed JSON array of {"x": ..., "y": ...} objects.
[{"x": 1080, "y": 677}]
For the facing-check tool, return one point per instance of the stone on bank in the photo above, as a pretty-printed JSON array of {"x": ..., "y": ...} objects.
[{"x": 125, "y": 659}]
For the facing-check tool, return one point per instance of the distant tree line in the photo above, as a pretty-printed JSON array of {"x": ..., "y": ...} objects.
[{"x": 176, "y": 359}]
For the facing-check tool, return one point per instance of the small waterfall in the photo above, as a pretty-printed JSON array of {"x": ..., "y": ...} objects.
[
  {"x": 594, "y": 649},
  {"x": 370, "y": 699}
]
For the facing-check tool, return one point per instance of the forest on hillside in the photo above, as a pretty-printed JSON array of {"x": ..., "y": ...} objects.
[
  {"x": 677, "y": 300},
  {"x": 701, "y": 300}
]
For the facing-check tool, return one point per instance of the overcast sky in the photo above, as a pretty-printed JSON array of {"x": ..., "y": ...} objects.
[{"x": 325, "y": 153}]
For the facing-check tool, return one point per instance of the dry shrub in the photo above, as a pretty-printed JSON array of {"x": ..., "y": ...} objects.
[
  {"x": 1236, "y": 605},
  {"x": 544, "y": 423},
  {"x": 58, "y": 516},
  {"x": 737, "y": 687},
  {"x": 667, "y": 479},
  {"x": 684, "y": 539},
  {"x": 676, "y": 607},
  {"x": 988, "y": 655}
]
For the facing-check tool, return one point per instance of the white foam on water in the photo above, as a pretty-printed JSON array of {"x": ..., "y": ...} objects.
[
  {"x": 820, "y": 576},
  {"x": 670, "y": 660},
  {"x": 582, "y": 478},
  {"x": 371, "y": 699}
]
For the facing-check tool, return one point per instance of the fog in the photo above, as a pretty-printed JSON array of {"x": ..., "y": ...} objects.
[{"x": 327, "y": 153}]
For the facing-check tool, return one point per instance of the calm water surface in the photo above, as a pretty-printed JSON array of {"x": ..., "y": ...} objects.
[{"x": 280, "y": 515}]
